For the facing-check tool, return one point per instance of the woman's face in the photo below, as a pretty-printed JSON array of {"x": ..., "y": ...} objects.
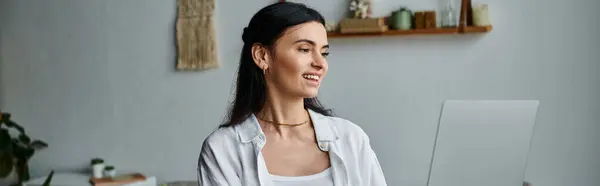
[{"x": 298, "y": 65}]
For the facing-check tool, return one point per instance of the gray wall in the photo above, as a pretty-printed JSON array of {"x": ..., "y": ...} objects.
[{"x": 95, "y": 78}]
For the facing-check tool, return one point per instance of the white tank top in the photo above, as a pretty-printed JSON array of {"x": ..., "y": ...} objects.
[{"x": 320, "y": 179}]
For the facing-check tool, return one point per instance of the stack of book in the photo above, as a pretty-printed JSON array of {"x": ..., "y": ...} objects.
[{"x": 367, "y": 25}]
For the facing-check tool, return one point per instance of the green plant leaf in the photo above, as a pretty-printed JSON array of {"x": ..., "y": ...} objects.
[
  {"x": 22, "y": 152},
  {"x": 48, "y": 179},
  {"x": 6, "y": 164},
  {"x": 5, "y": 141},
  {"x": 6, "y": 153},
  {"x": 109, "y": 167},
  {"x": 22, "y": 169},
  {"x": 24, "y": 139},
  {"x": 97, "y": 161},
  {"x": 12, "y": 124},
  {"x": 16, "y": 142},
  {"x": 37, "y": 144},
  {"x": 20, "y": 148}
]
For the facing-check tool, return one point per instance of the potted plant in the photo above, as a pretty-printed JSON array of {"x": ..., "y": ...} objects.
[
  {"x": 15, "y": 151},
  {"x": 109, "y": 171},
  {"x": 97, "y": 167}
]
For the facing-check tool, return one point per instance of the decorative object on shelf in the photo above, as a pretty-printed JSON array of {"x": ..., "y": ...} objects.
[
  {"x": 432, "y": 31},
  {"x": 424, "y": 23},
  {"x": 425, "y": 19},
  {"x": 109, "y": 171},
  {"x": 331, "y": 26},
  {"x": 466, "y": 15},
  {"x": 15, "y": 152},
  {"x": 430, "y": 19},
  {"x": 469, "y": 13},
  {"x": 402, "y": 19},
  {"x": 480, "y": 15},
  {"x": 448, "y": 17},
  {"x": 97, "y": 167},
  {"x": 196, "y": 38},
  {"x": 361, "y": 9},
  {"x": 420, "y": 20},
  {"x": 360, "y": 21},
  {"x": 369, "y": 25}
]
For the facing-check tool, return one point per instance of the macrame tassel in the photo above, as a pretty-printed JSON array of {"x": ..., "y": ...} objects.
[{"x": 196, "y": 39}]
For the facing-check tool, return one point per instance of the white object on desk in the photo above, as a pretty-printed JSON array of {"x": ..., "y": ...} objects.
[
  {"x": 80, "y": 179},
  {"x": 483, "y": 143}
]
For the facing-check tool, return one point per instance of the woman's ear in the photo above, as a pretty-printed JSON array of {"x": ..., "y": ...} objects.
[{"x": 260, "y": 55}]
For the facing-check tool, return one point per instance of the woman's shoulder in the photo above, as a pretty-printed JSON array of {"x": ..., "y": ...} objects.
[
  {"x": 220, "y": 137},
  {"x": 220, "y": 145},
  {"x": 346, "y": 128}
]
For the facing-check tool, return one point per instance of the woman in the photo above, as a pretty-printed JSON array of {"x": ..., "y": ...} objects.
[{"x": 277, "y": 132}]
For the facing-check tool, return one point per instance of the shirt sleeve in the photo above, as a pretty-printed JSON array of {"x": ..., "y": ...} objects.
[
  {"x": 376, "y": 176},
  {"x": 213, "y": 170}
]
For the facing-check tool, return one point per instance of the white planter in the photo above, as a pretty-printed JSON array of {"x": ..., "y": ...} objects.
[
  {"x": 110, "y": 173},
  {"x": 11, "y": 179},
  {"x": 97, "y": 170}
]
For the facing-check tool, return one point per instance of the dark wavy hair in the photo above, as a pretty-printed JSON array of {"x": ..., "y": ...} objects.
[{"x": 265, "y": 28}]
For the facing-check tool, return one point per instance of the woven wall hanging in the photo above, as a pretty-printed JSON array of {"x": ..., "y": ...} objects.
[{"x": 196, "y": 39}]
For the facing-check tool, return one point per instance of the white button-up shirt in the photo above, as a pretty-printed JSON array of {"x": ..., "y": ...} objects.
[{"x": 232, "y": 155}]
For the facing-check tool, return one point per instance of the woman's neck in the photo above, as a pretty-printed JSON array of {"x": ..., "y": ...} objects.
[
  {"x": 279, "y": 114},
  {"x": 284, "y": 110}
]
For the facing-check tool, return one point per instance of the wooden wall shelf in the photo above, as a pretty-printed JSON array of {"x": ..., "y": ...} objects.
[{"x": 432, "y": 31}]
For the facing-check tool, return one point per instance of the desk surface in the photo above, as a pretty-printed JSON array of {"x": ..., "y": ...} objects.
[{"x": 80, "y": 179}]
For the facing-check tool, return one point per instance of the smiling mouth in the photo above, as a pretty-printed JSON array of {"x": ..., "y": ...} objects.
[{"x": 311, "y": 77}]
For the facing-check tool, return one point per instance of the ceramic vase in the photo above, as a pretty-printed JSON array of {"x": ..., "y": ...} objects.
[
  {"x": 402, "y": 19},
  {"x": 480, "y": 15}
]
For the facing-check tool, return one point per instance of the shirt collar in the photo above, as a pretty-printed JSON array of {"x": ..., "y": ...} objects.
[{"x": 250, "y": 128}]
